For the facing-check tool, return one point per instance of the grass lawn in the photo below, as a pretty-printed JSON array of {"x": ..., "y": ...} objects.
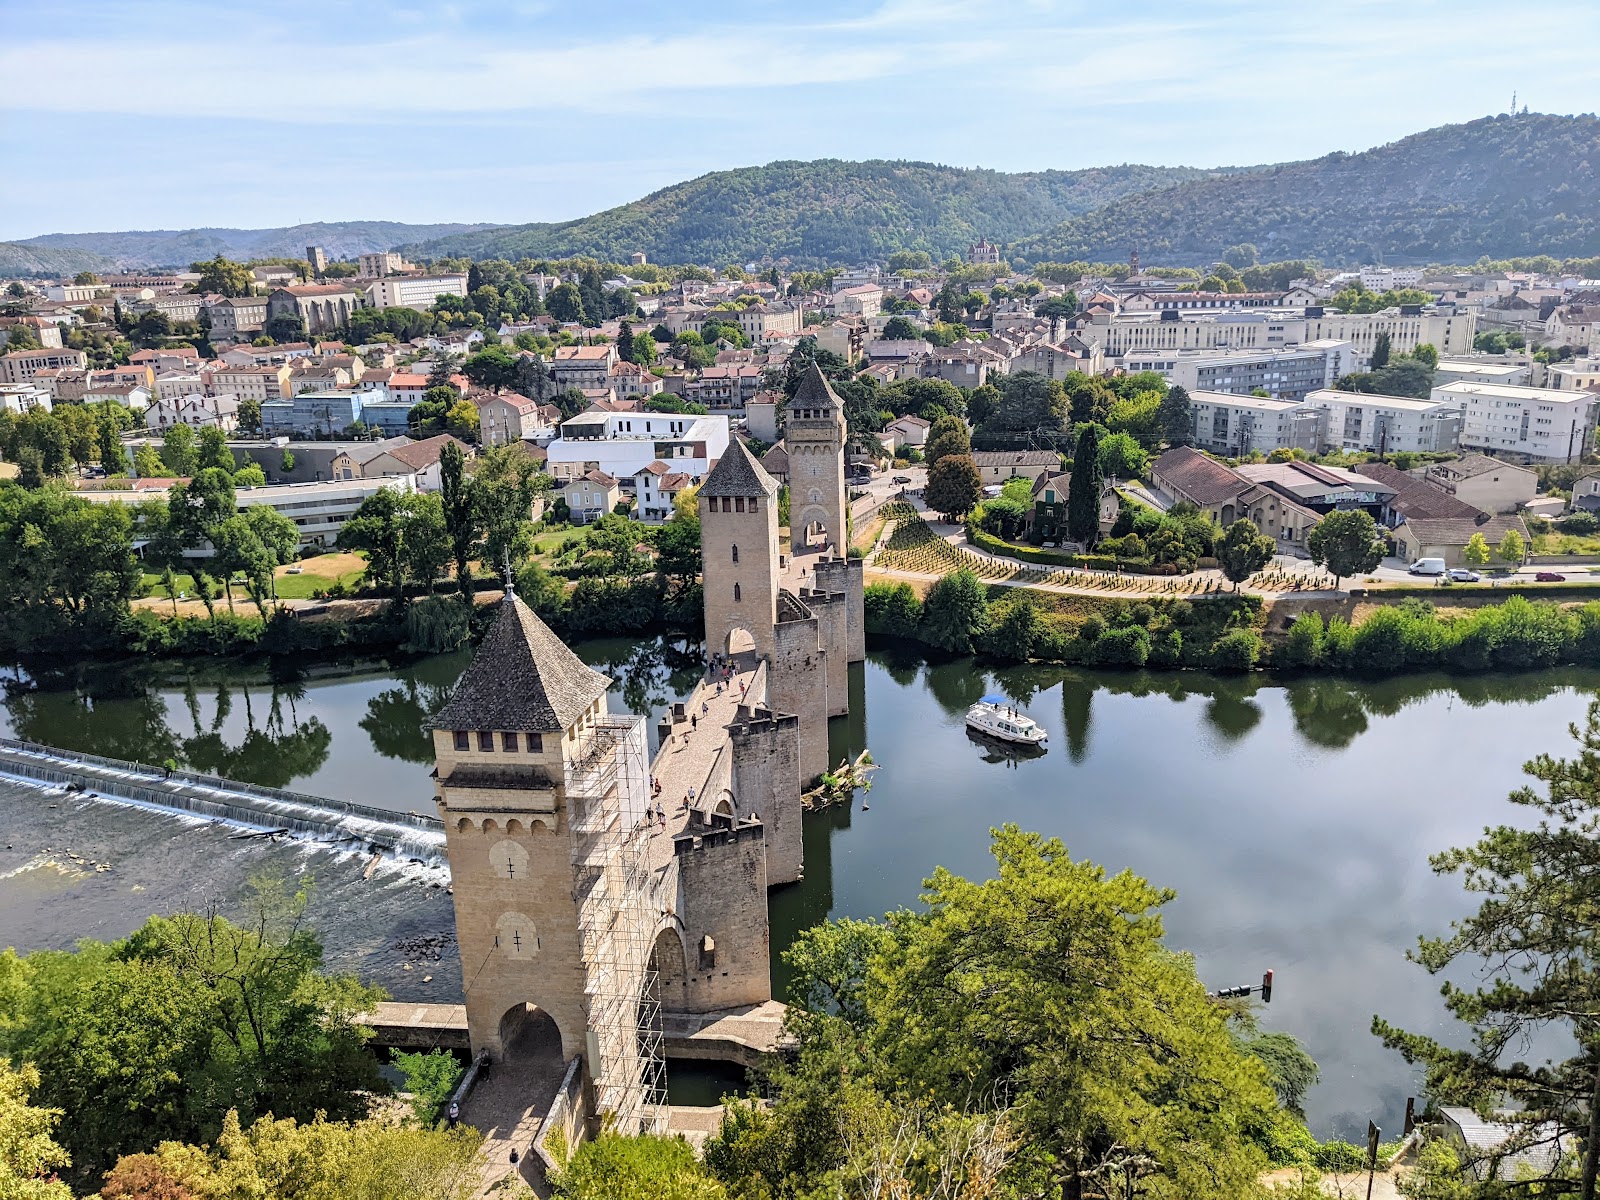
[
  {"x": 321, "y": 571},
  {"x": 1565, "y": 543}
]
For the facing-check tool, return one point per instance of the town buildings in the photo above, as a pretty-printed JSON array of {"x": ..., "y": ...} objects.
[
  {"x": 623, "y": 443},
  {"x": 1537, "y": 425}
]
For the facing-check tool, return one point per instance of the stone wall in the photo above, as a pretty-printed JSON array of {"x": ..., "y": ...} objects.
[
  {"x": 517, "y": 926},
  {"x": 740, "y": 594},
  {"x": 766, "y": 780},
  {"x": 847, "y": 575},
  {"x": 798, "y": 684},
  {"x": 834, "y": 636},
  {"x": 723, "y": 878}
]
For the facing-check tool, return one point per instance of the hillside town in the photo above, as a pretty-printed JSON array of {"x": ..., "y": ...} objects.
[{"x": 626, "y": 389}]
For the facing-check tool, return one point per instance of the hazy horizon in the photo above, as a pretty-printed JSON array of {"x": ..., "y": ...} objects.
[{"x": 508, "y": 114}]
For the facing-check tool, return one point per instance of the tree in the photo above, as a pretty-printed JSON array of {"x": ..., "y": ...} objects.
[
  {"x": 1049, "y": 986},
  {"x": 1242, "y": 256},
  {"x": 493, "y": 368},
  {"x": 1176, "y": 416},
  {"x": 1083, "y": 488},
  {"x": 1533, "y": 939},
  {"x": 900, "y": 328},
  {"x": 213, "y": 449},
  {"x": 1380, "y": 351},
  {"x": 179, "y": 452},
  {"x": 158, "y": 1036},
  {"x": 1346, "y": 542},
  {"x": 29, "y": 1155},
  {"x": 644, "y": 350},
  {"x": 460, "y": 514},
  {"x": 285, "y": 327},
  {"x": 954, "y": 485},
  {"x": 308, "y": 1159},
  {"x": 644, "y": 1167},
  {"x": 1512, "y": 548},
  {"x": 430, "y": 1078},
  {"x": 147, "y": 463},
  {"x": 504, "y": 487},
  {"x": 1120, "y": 455},
  {"x": 250, "y": 415},
  {"x": 947, "y": 436},
  {"x": 1242, "y": 551},
  {"x": 425, "y": 543},
  {"x": 565, "y": 304},
  {"x": 955, "y": 613},
  {"x": 224, "y": 277},
  {"x": 1428, "y": 355},
  {"x": 250, "y": 475},
  {"x": 377, "y": 528},
  {"x": 1476, "y": 552}
]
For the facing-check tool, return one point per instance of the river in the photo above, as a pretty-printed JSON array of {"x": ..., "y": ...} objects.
[{"x": 1294, "y": 820}]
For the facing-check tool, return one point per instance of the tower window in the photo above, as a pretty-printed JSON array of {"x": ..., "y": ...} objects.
[
  {"x": 737, "y": 593},
  {"x": 738, "y": 504},
  {"x": 736, "y": 554},
  {"x": 463, "y": 740},
  {"x": 508, "y": 742},
  {"x": 535, "y": 744},
  {"x": 485, "y": 741},
  {"x": 755, "y": 505}
]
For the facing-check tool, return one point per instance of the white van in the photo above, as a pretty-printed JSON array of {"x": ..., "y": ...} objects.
[{"x": 1427, "y": 566}]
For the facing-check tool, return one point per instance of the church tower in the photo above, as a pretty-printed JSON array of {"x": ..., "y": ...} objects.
[
  {"x": 814, "y": 436},
  {"x": 739, "y": 546}
]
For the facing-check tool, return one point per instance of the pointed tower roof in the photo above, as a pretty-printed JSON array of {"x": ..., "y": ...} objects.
[
  {"x": 737, "y": 473},
  {"x": 814, "y": 391},
  {"x": 523, "y": 678}
]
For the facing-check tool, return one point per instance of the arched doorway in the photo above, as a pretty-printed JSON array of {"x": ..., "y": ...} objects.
[
  {"x": 530, "y": 1037},
  {"x": 812, "y": 528},
  {"x": 740, "y": 641}
]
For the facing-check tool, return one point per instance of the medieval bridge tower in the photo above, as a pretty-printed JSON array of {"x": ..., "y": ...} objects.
[{"x": 815, "y": 435}]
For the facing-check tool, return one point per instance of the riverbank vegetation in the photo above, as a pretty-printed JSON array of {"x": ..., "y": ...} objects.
[{"x": 1027, "y": 1035}]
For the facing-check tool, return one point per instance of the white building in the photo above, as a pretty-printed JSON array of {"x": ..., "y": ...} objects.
[
  {"x": 179, "y": 383},
  {"x": 321, "y": 509},
  {"x": 414, "y": 291},
  {"x": 20, "y": 366},
  {"x": 1533, "y": 424},
  {"x": 1241, "y": 425},
  {"x": 1384, "y": 279},
  {"x": 1287, "y": 374},
  {"x": 1386, "y": 424},
  {"x": 22, "y": 398},
  {"x": 1444, "y": 328},
  {"x": 194, "y": 410},
  {"x": 622, "y": 444},
  {"x": 1484, "y": 370},
  {"x": 383, "y": 263},
  {"x": 865, "y": 300}
]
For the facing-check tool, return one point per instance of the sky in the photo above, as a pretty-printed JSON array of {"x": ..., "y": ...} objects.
[{"x": 141, "y": 114}]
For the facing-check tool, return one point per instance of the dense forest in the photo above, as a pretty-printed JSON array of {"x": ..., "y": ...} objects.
[
  {"x": 1501, "y": 186},
  {"x": 827, "y": 211}
]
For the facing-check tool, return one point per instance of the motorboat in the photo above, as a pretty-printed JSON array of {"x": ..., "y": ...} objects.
[{"x": 997, "y": 718}]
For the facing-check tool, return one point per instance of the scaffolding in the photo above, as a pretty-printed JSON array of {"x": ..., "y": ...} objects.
[{"x": 607, "y": 791}]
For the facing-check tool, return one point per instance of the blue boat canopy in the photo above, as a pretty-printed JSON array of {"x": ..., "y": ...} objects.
[{"x": 996, "y": 700}]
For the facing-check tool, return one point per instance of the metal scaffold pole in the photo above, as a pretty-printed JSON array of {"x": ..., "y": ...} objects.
[{"x": 607, "y": 793}]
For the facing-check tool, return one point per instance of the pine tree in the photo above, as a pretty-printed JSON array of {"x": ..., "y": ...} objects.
[{"x": 1083, "y": 491}]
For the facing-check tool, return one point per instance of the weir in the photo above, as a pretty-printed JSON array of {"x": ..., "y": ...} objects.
[{"x": 339, "y": 824}]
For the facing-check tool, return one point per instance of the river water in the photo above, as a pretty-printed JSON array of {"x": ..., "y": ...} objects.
[{"x": 1294, "y": 820}]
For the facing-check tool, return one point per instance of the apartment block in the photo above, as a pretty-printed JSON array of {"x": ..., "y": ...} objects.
[{"x": 1537, "y": 425}]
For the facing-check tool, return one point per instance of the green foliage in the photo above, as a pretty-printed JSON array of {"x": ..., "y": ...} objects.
[
  {"x": 1121, "y": 455},
  {"x": 431, "y": 1077},
  {"x": 314, "y": 1160},
  {"x": 1083, "y": 492},
  {"x": 492, "y": 368},
  {"x": 1358, "y": 298},
  {"x": 1238, "y": 650},
  {"x": 1476, "y": 552},
  {"x": 646, "y": 1167},
  {"x": 824, "y": 211},
  {"x": 1508, "y": 195},
  {"x": 1346, "y": 542},
  {"x": 160, "y": 1035},
  {"x": 955, "y": 613},
  {"x": 954, "y": 485},
  {"x": 223, "y": 277},
  {"x": 1243, "y": 550},
  {"x": 891, "y": 610},
  {"x": 29, "y": 1154}
]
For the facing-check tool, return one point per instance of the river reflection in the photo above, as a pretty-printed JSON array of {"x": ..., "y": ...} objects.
[{"x": 1294, "y": 818}]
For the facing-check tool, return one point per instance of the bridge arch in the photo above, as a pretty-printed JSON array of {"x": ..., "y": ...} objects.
[{"x": 671, "y": 966}]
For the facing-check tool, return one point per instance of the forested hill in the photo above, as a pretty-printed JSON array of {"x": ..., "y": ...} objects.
[
  {"x": 1503, "y": 186},
  {"x": 180, "y": 247},
  {"x": 20, "y": 259},
  {"x": 826, "y": 211}
]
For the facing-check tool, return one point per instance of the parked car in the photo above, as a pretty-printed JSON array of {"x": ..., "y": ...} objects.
[
  {"x": 1549, "y": 577},
  {"x": 902, "y": 479},
  {"x": 1427, "y": 566},
  {"x": 1462, "y": 575}
]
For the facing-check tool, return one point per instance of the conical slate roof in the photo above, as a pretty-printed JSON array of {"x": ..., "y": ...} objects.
[
  {"x": 737, "y": 473},
  {"x": 523, "y": 678},
  {"x": 814, "y": 391}
]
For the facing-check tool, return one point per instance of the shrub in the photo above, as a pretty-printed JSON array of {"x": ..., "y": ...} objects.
[
  {"x": 1303, "y": 647},
  {"x": 891, "y": 609},
  {"x": 1340, "y": 1157},
  {"x": 1128, "y": 646},
  {"x": 1581, "y": 524},
  {"x": 1236, "y": 651}
]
